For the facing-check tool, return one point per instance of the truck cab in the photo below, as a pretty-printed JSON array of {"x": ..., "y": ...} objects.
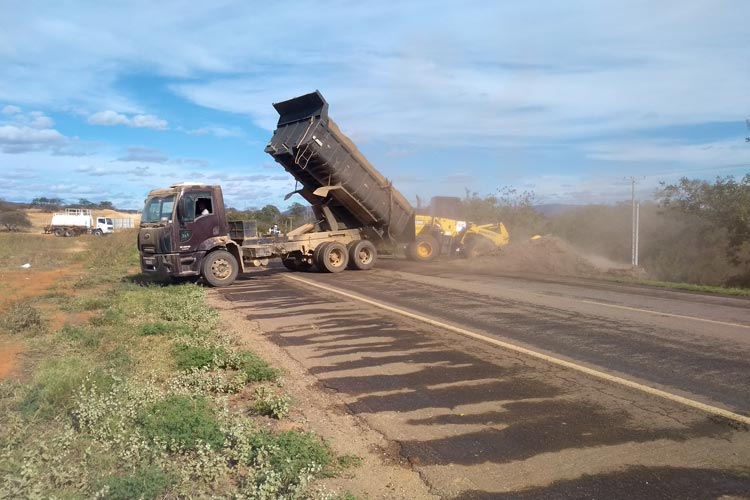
[
  {"x": 104, "y": 225},
  {"x": 183, "y": 225}
]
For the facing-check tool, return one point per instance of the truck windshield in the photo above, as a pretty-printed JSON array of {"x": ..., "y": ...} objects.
[{"x": 158, "y": 209}]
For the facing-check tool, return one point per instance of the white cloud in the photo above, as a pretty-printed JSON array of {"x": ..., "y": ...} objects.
[
  {"x": 145, "y": 155},
  {"x": 21, "y": 139},
  {"x": 216, "y": 131},
  {"x": 11, "y": 110},
  {"x": 148, "y": 121},
  {"x": 110, "y": 118}
]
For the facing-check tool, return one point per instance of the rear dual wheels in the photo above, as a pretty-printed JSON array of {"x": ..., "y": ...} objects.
[
  {"x": 331, "y": 257},
  {"x": 362, "y": 255}
]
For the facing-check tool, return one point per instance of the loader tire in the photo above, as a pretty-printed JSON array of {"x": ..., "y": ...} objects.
[
  {"x": 219, "y": 268},
  {"x": 362, "y": 255},
  {"x": 424, "y": 249},
  {"x": 476, "y": 247},
  {"x": 333, "y": 258}
]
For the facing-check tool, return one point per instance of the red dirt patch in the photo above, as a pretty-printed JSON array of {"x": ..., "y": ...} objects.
[
  {"x": 8, "y": 354},
  {"x": 17, "y": 285}
]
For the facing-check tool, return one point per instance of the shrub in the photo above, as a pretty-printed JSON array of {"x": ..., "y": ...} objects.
[
  {"x": 291, "y": 453},
  {"x": 254, "y": 368},
  {"x": 145, "y": 483},
  {"x": 181, "y": 422},
  {"x": 22, "y": 317},
  {"x": 268, "y": 402}
]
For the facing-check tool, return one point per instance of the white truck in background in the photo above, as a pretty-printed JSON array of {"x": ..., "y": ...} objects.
[{"x": 77, "y": 221}]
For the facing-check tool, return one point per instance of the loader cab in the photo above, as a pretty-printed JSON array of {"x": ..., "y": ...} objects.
[{"x": 445, "y": 214}]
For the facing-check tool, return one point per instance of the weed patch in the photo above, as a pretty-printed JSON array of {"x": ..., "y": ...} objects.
[
  {"x": 53, "y": 388},
  {"x": 155, "y": 328},
  {"x": 150, "y": 482},
  {"x": 187, "y": 357},
  {"x": 82, "y": 336},
  {"x": 181, "y": 422}
]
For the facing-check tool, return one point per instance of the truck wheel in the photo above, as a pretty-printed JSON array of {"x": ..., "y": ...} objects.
[
  {"x": 333, "y": 258},
  {"x": 362, "y": 255},
  {"x": 425, "y": 249},
  {"x": 69, "y": 233},
  {"x": 59, "y": 232},
  {"x": 98, "y": 232},
  {"x": 219, "y": 268}
]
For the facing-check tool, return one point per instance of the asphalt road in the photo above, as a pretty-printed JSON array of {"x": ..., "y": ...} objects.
[{"x": 479, "y": 421}]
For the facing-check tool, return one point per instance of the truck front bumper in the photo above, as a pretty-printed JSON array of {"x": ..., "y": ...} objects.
[{"x": 172, "y": 264}]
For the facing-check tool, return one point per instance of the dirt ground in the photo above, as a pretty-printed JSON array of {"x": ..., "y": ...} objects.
[{"x": 546, "y": 255}]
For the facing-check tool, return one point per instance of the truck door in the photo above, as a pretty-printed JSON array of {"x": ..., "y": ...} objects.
[{"x": 199, "y": 221}]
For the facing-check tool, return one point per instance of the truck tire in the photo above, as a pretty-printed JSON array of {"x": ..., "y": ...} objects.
[
  {"x": 424, "y": 249},
  {"x": 69, "y": 233},
  {"x": 332, "y": 258},
  {"x": 98, "y": 232},
  {"x": 362, "y": 255},
  {"x": 219, "y": 268},
  {"x": 59, "y": 232}
]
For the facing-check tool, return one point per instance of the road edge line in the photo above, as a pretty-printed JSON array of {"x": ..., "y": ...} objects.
[{"x": 714, "y": 410}]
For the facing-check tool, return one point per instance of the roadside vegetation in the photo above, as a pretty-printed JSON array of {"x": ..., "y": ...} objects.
[{"x": 132, "y": 390}]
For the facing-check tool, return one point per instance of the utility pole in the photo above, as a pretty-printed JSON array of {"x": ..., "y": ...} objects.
[{"x": 636, "y": 223}]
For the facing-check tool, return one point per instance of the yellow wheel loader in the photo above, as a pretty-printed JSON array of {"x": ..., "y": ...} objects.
[{"x": 444, "y": 231}]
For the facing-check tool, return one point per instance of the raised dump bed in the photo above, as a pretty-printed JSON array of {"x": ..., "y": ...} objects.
[{"x": 334, "y": 174}]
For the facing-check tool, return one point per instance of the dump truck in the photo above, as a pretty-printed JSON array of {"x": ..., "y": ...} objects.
[
  {"x": 357, "y": 211},
  {"x": 77, "y": 221}
]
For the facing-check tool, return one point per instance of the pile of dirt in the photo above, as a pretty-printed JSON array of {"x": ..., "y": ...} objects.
[{"x": 545, "y": 255}]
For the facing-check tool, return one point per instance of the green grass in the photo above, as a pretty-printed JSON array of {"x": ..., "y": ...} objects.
[
  {"x": 718, "y": 290},
  {"x": 133, "y": 403},
  {"x": 41, "y": 251}
]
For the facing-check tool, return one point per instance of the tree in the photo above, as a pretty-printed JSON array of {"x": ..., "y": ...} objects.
[
  {"x": 47, "y": 204},
  {"x": 725, "y": 203},
  {"x": 14, "y": 220},
  {"x": 507, "y": 205}
]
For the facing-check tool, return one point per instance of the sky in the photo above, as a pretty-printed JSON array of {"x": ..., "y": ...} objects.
[{"x": 566, "y": 100}]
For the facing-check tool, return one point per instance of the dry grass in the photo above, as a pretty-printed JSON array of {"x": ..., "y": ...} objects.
[{"x": 42, "y": 251}]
